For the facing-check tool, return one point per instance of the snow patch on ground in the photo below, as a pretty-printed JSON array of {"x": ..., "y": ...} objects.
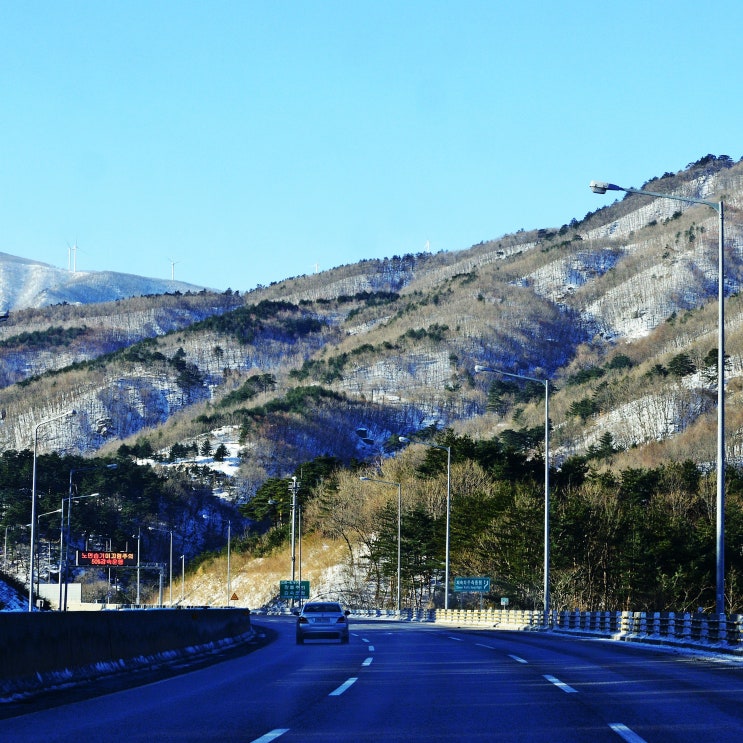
[{"x": 10, "y": 599}]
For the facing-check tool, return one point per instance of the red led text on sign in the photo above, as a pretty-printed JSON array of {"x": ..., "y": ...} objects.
[{"x": 105, "y": 559}]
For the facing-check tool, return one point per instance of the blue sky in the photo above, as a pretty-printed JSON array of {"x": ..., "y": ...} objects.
[{"x": 252, "y": 141}]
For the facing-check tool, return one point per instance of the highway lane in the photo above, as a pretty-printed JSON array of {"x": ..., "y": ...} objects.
[
  {"x": 234, "y": 700},
  {"x": 429, "y": 683},
  {"x": 660, "y": 694},
  {"x": 394, "y": 682}
]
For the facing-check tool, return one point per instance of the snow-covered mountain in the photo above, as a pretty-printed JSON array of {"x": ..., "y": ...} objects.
[
  {"x": 26, "y": 284},
  {"x": 632, "y": 279}
]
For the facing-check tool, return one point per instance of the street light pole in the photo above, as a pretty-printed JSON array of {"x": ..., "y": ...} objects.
[
  {"x": 293, "y": 489},
  {"x": 601, "y": 187},
  {"x": 61, "y": 555},
  {"x": 40, "y": 516},
  {"x": 170, "y": 561},
  {"x": 63, "y": 604},
  {"x": 170, "y": 587},
  {"x": 299, "y": 530},
  {"x": 447, "y": 449},
  {"x": 32, "y": 548},
  {"x": 399, "y": 529},
  {"x": 112, "y": 466},
  {"x": 139, "y": 563},
  {"x": 546, "y": 383}
]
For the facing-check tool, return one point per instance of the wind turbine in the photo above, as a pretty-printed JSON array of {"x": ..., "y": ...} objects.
[
  {"x": 72, "y": 251},
  {"x": 172, "y": 269}
]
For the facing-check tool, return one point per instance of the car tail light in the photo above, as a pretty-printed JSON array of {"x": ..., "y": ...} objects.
[
  {"x": 341, "y": 620},
  {"x": 304, "y": 620}
]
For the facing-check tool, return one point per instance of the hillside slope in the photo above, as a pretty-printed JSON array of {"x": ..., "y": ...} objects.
[
  {"x": 392, "y": 345},
  {"x": 27, "y": 284}
]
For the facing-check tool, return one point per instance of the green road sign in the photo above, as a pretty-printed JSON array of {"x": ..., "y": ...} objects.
[
  {"x": 294, "y": 589},
  {"x": 479, "y": 584}
]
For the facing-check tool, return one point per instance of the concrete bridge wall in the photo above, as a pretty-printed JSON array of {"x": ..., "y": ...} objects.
[{"x": 37, "y": 646}]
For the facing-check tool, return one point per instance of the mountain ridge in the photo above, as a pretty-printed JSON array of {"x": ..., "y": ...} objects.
[
  {"x": 618, "y": 311},
  {"x": 399, "y": 337},
  {"x": 26, "y": 283}
]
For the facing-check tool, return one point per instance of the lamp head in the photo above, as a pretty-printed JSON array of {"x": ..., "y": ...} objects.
[
  {"x": 599, "y": 186},
  {"x": 603, "y": 187}
]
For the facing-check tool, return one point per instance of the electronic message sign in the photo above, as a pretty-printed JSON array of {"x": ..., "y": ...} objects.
[{"x": 107, "y": 559}]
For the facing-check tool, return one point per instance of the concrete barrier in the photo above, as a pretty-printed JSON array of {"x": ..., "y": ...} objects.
[{"x": 39, "y": 649}]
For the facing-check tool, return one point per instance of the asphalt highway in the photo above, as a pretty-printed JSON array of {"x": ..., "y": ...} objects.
[{"x": 402, "y": 682}]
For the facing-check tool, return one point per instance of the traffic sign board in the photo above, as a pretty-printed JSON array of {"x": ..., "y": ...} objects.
[
  {"x": 477, "y": 584},
  {"x": 294, "y": 589}
]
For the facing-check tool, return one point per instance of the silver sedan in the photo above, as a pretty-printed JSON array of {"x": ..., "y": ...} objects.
[{"x": 322, "y": 620}]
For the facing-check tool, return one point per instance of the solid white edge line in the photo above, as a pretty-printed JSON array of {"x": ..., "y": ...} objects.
[
  {"x": 560, "y": 684},
  {"x": 268, "y": 737},
  {"x": 518, "y": 659},
  {"x": 625, "y": 733},
  {"x": 344, "y": 686}
]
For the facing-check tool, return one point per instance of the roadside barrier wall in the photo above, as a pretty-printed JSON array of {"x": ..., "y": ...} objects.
[{"x": 36, "y": 644}]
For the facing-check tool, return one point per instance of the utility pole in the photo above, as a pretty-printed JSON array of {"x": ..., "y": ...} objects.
[{"x": 293, "y": 488}]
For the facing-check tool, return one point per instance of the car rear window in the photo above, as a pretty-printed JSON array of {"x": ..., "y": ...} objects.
[{"x": 321, "y": 607}]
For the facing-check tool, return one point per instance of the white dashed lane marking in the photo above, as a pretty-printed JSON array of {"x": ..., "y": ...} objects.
[
  {"x": 344, "y": 687},
  {"x": 625, "y": 733},
  {"x": 268, "y": 737},
  {"x": 560, "y": 684}
]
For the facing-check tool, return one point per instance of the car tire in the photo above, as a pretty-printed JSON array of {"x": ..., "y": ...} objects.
[
  {"x": 300, "y": 640},
  {"x": 344, "y": 640}
]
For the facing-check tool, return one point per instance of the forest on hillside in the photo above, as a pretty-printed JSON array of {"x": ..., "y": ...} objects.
[
  {"x": 111, "y": 504},
  {"x": 635, "y": 539},
  {"x": 616, "y": 312}
]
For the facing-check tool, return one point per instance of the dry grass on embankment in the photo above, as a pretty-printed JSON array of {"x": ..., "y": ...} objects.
[{"x": 326, "y": 565}]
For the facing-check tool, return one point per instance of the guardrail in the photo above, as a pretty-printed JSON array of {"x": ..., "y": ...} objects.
[
  {"x": 689, "y": 628},
  {"x": 723, "y": 632}
]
